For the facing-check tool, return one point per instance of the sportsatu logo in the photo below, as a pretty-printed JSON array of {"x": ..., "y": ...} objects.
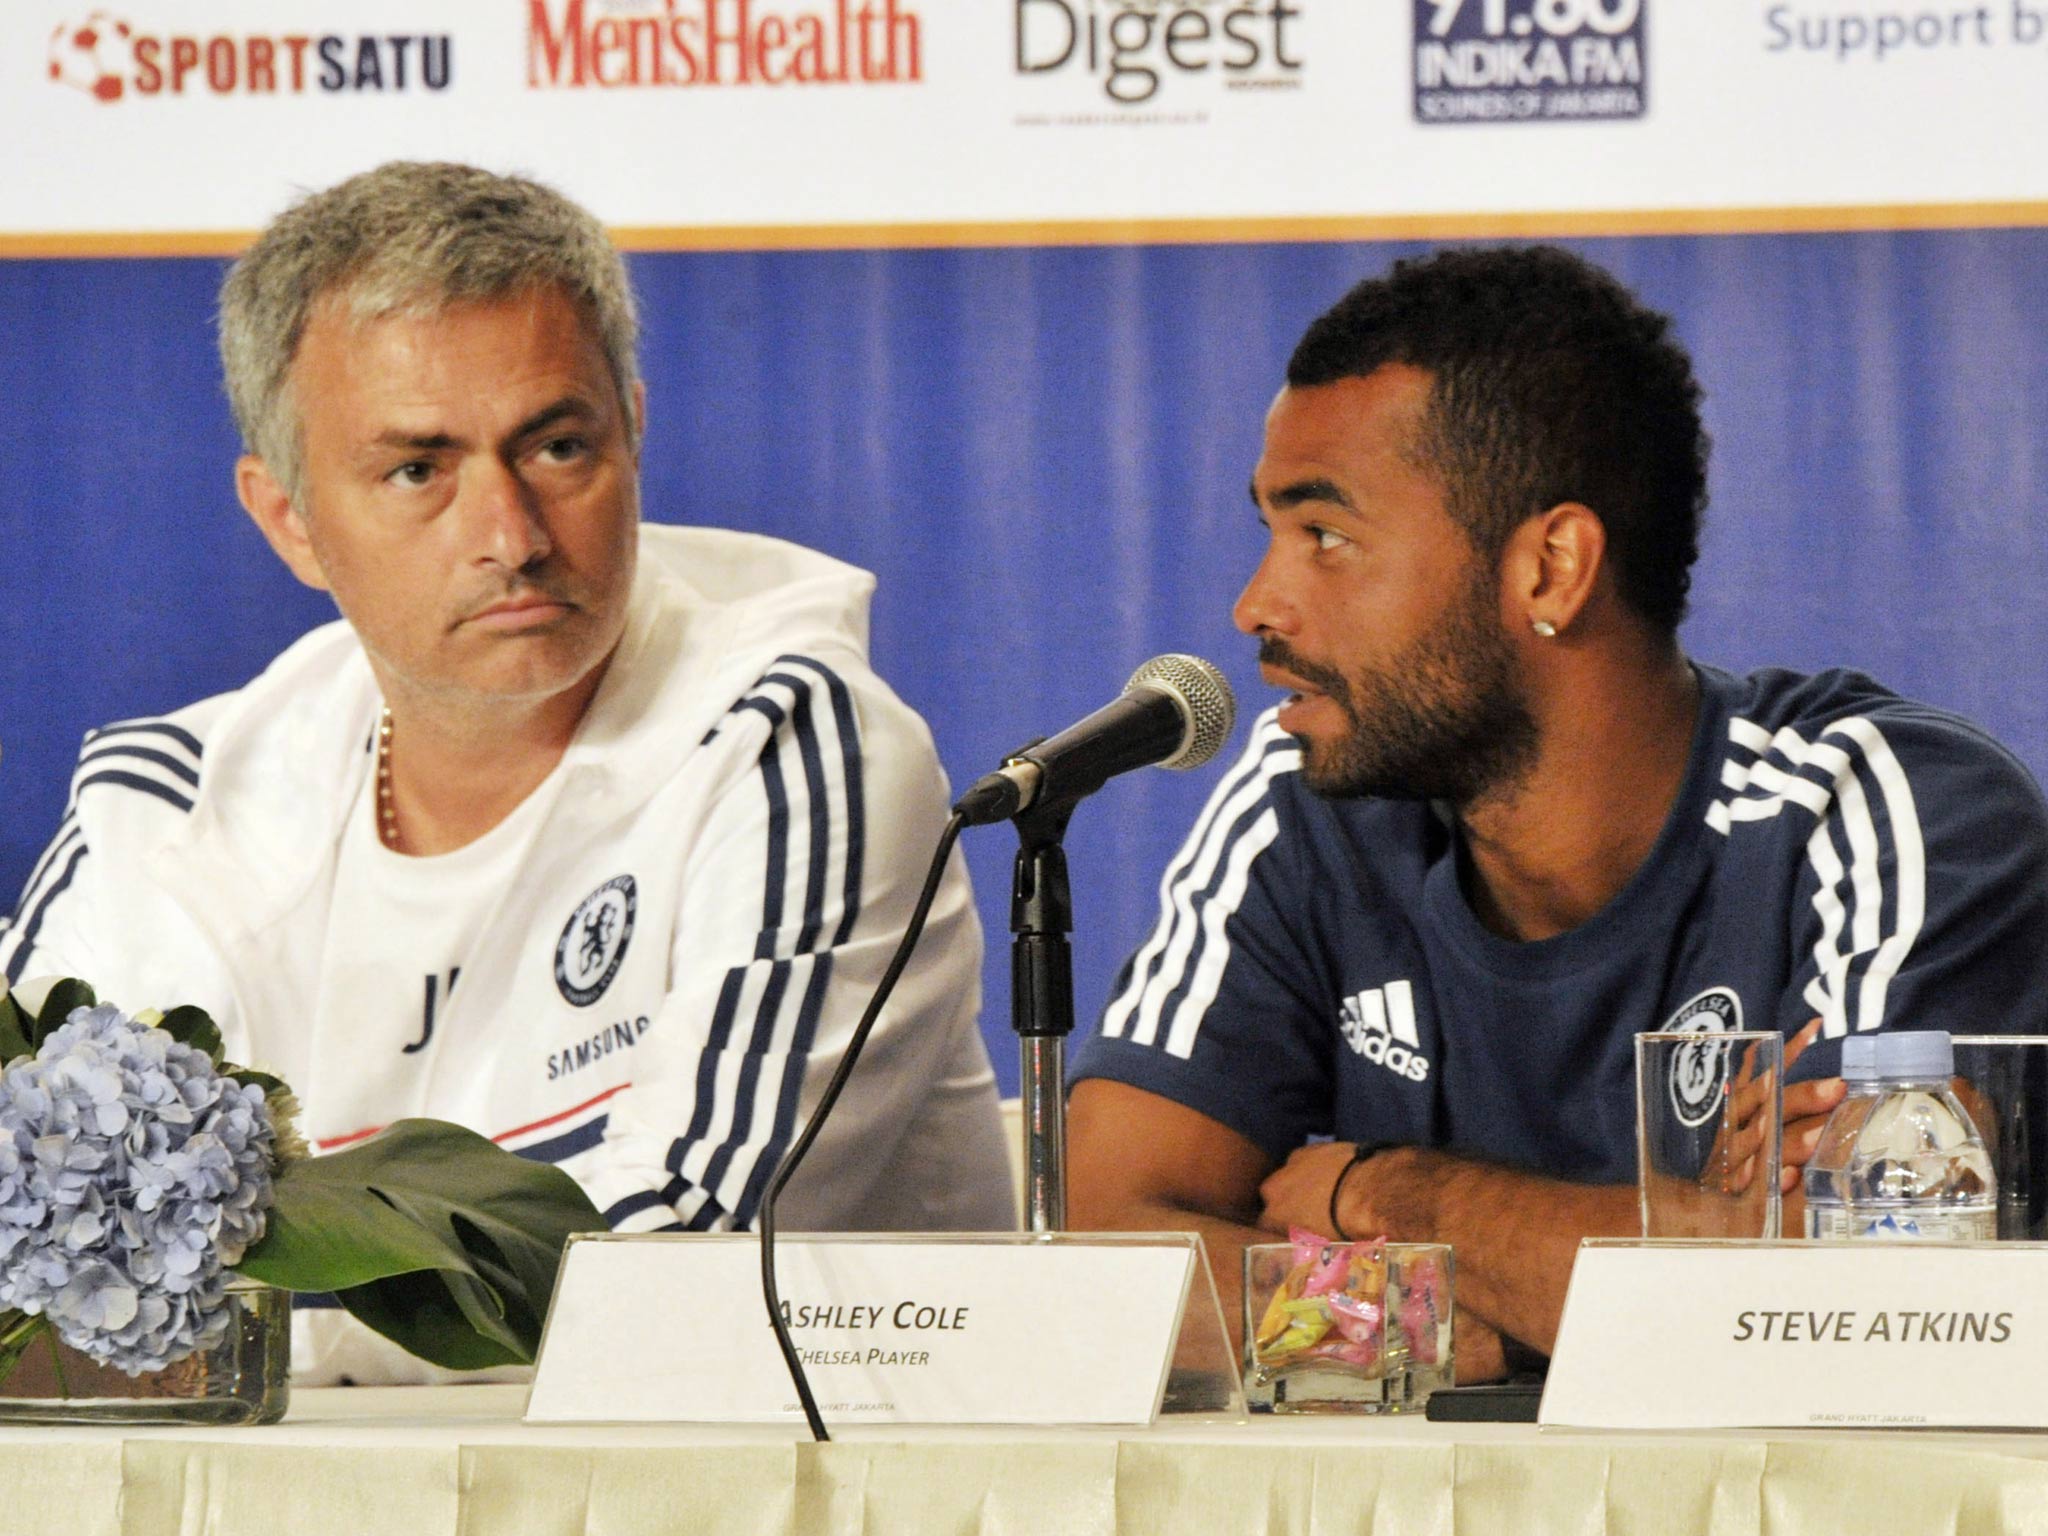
[{"x": 113, "y": 58}]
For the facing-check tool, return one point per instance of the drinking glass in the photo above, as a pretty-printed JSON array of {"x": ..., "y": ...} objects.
[
  {"x": 2002, "y": 1080},
  {"x": 1709, "y": 1118}
]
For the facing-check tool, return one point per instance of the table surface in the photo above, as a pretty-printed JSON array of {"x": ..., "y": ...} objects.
[{"x": 452, "y": 1415}]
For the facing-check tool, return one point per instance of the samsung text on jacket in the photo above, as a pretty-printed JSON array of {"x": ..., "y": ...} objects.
[{"x": 613, "y": 1037}]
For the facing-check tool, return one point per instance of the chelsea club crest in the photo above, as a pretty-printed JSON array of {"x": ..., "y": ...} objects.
[
  {"x": 594, "y": 941},
  {"x": 1696, "y": 1069}
]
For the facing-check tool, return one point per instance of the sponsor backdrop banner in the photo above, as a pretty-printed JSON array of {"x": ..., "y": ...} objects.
[
  {"x": 691, "y": 116},
  {"x": 1049, "y": 259}
]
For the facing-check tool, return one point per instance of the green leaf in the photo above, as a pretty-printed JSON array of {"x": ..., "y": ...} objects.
[
  {"x": 249, "y": 1077},
  {"x": 436, "y": 1317},
  {"x": 194, "y": 1027},
  {"x": 65, "y": 997},
  {"x": 434, "y": 1236},
  {"x": 14, "y": 1030},
  {"x": 17, "y": 1332}
]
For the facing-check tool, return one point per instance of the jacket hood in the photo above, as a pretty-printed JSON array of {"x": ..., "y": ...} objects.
[
  {"x": 709, "y": 612},
  {"x": 769, "y": 583}
]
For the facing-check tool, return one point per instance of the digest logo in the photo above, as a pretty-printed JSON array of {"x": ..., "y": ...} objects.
[
  {"x": 1492, "y": 61},
  {"x": 113, "y": 60},
  {"x": 1136, "y": 49}
]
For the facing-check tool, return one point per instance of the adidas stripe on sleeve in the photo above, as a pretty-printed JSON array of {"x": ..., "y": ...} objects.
[
  {"x": 1866, "y": 852},
  {"x": 51, "y": 878},
  {"x": 150, "y": 758},
  {"x": 765, "y": 1019},
  {"x": 1174, "y": 977},
  {"x": 1213, "y": 1010}
]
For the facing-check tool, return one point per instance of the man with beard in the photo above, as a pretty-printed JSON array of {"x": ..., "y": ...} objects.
[{"x": 1501, "y": 823}]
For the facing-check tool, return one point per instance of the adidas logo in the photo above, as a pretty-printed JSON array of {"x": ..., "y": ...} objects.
[{"x": 1379, "y": 1024}]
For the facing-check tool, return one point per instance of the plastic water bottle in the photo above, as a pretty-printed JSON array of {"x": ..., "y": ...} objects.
[{"x": 1900, "y": 1157}]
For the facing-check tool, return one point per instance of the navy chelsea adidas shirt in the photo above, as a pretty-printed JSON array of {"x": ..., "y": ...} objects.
[{"x": 1835, "y": 851}]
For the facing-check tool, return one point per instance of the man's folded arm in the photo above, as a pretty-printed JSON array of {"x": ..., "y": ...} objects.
[
  {"x": 1140, "y": 1162},
  {"x": 1516, "y": 1233}
]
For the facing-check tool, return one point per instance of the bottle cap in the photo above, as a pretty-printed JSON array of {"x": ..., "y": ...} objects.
[{"x": 1908, "y": 1053}]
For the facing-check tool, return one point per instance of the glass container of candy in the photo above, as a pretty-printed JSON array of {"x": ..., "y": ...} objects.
[{"x": 1332, "y": 1327}]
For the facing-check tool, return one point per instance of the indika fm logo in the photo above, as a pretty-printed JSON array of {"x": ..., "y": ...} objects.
[{"x": 1505, "y": 61}]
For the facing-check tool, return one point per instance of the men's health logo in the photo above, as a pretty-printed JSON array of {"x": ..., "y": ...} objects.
[
  {"x": 1379, "y": 1024},
  {"x": 613, "y": 44},
  {"x": 112, "y": 58},
  {"x": 1511, "y": 61}
]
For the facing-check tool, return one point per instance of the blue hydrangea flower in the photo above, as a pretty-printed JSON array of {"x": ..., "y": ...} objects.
[{"x": 133, "y": 1175}]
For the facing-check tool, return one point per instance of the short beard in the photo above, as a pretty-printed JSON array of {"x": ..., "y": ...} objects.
[{"x": 1446, "y": 720}]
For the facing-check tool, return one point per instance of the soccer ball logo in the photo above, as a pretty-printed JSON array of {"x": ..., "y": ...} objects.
[{"x": 88, "y": 58}]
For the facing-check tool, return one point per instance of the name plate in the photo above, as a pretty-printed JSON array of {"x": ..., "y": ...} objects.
[
  {"x": 953, "y": 1329},
  {"x": 1727, "y": 1335}
]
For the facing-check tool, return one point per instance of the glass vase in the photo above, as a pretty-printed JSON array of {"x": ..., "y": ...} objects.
[{"x": 244, "y": 1379}]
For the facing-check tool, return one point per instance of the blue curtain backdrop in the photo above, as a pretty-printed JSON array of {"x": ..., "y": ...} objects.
[{"x": 1043, "y": 454}]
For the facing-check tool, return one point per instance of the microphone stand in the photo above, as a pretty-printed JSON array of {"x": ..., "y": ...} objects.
[{"x": 1042, "y": 1005}]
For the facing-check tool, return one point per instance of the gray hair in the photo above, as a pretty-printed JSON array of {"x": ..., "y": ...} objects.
[{"x": 408, "y": 238}]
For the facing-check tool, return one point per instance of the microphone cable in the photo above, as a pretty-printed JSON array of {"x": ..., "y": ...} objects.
[{"x": 816, "y": 1123}]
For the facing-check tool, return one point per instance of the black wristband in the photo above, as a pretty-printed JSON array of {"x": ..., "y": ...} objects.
[{"x": 1360, "y": 1152}]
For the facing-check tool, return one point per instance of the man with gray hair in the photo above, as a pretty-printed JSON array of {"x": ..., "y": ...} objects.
[{"x": 591, "y": 836}]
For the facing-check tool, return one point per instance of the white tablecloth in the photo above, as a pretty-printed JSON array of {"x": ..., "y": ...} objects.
[{"x": 431, "y": 1460}]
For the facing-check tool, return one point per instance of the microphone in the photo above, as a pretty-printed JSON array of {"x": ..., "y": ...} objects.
[{"x": 1175, "y": 711}]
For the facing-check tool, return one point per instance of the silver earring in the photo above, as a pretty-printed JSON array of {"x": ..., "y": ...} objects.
[{"x": 1544, "y": 628}]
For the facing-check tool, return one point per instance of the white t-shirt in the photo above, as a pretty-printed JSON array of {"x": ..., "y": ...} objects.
[{"x": 401, "y": 928}]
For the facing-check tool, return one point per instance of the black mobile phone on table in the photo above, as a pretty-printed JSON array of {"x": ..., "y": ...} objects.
[{"x": 1498, "y": 1402}]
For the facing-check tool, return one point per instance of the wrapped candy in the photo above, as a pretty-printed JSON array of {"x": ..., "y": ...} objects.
[
  {"x": 1331, "y": 1307},
  {"x": 1425, "y": 1301}
]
